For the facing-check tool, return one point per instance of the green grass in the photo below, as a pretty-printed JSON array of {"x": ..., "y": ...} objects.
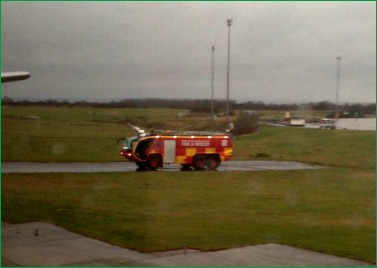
[
  {"x": 63, "y": 134},
  {"x": 332, "y": 148},
  {"x": 80, "y": 135},
  {"x": 331, "y": 211},
  {"x": 86, "y": 114},
  {"x": 55, "y": 141},
  {"x": 71, "y": 134}
]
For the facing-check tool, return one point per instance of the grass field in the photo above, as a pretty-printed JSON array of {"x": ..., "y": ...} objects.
[
  {"x": 330, "y": 148},
  {"x": 73, "y": 134},
  {"x": 90, "y": 135},
  {"x": 330, "y": 210}
]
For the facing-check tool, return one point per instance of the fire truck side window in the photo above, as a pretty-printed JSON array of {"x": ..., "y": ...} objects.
[{"x": 143, "y": 146}]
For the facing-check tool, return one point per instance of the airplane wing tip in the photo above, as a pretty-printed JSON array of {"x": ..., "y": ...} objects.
[{"x": 14, "y": 76}]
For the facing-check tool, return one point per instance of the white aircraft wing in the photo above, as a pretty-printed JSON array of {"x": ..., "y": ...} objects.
[{"x": 14, "y": 76}]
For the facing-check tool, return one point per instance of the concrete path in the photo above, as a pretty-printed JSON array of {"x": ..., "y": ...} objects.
[{"x": 43, "y": 244}]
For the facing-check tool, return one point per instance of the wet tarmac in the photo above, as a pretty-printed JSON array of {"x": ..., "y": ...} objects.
[{"x": 33, "y": 167}]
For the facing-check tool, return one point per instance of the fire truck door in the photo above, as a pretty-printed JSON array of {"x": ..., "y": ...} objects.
[{"x": 170, "y": 149}]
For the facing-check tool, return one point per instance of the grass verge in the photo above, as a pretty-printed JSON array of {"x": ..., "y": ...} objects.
[
  {"x": 327, "y": 210},
  {"x": 343, "y": 148}
]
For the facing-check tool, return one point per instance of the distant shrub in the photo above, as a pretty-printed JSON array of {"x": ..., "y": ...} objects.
[{"x": 246, "y": 123}]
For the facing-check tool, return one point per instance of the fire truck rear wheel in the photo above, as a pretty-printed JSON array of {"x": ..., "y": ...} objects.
[
  {"x": 186, "y": 167},
  {"x": 199, "y": 162},
  {"x": 213, "y": 162},
  {"x": 154, "y": 162}
]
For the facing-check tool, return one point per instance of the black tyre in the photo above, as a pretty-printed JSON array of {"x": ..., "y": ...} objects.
[
  {"x": 213, "y": 162},
  {"x": 199, "y": 162},
  {"x": 186, "y": 168},
  {"x": 154, "y": 162},
  {"x": 140, "y": 164}
]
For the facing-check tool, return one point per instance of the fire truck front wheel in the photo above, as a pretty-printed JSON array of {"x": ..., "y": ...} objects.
[{"x": 154, "y": 162}]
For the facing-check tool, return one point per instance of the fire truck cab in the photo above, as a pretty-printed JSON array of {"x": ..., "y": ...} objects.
[{"x": 199, "y": 150}]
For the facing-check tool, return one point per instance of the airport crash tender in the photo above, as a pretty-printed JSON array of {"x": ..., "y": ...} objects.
[{"x": 197, "y": 149}]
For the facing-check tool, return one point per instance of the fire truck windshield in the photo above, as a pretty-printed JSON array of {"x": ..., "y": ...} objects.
[{"x": 129, "y": 142}]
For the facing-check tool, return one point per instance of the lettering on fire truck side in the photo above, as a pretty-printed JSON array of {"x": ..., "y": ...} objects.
[
  {"x": 224, "y": 143},
  {"x": 199, "y": 143}
]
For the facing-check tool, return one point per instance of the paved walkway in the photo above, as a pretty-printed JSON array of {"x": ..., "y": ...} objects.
[{"x": 43, "y": 244}]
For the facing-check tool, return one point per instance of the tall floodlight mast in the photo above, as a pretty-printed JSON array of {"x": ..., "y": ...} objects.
[
  {"x": 337, "y": 88},
  {"x": 212, "y": 77},
  {"x": 229, "y": 23}
]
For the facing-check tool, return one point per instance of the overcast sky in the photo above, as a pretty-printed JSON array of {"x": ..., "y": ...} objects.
[{"x": 281, "y": 52}]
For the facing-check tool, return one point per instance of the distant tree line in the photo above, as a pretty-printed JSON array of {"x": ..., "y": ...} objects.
[{"x": 203, "y": 105}]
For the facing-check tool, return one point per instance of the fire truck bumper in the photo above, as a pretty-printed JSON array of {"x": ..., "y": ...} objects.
[
  {"x": 127, "y": 154},
  {"x": 228, "y": 153}
]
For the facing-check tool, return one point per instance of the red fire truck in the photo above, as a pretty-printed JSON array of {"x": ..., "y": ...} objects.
[{"x": 197, "y": 149}]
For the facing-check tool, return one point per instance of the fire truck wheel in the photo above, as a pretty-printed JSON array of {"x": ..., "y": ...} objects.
[
  {"x": 213, "y": 162},
  {"x": 154, "y": 162},
  {"x": 186, "y": 168},
  {"x": 199, "y": 162}
]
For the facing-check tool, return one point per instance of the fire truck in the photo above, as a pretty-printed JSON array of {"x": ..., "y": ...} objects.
[{"x": 198, "y": 149}]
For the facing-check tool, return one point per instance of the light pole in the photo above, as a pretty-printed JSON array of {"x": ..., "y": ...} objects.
[
  {"x": 229, "y": 23},
  {"x": 213, "y": 74},
  {"x": 337, "y": 88}
]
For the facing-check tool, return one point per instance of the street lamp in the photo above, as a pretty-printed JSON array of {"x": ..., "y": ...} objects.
[
  {"x": 213, "y": 74},
  {"x": 229, "y": 23},
  {"x": 337, "y": 89}
]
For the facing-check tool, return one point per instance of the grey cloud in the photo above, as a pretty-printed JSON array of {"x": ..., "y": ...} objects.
[{"x": 280, "y": 51}]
